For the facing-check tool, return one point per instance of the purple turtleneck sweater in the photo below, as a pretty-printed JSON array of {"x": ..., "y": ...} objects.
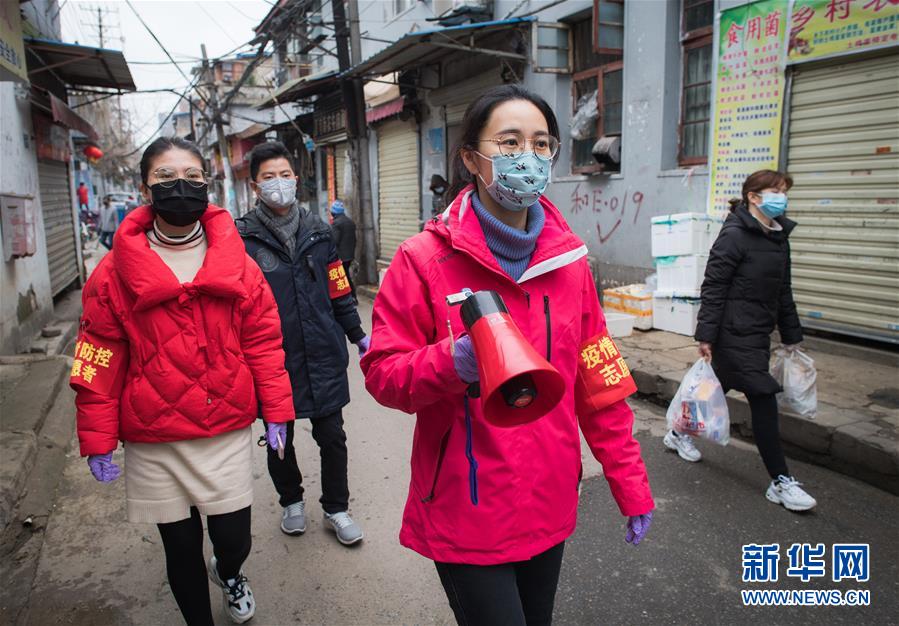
[{"x": 511, "y": 247}]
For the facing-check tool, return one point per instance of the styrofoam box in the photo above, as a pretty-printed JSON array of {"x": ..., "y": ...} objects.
[
  {"x": 683, "y": 233},
  {"x": 619, "y": 324},
  {"x": 634, "y": 300},
  {"x": 674, "y": 312},
  {"x": 681, "y": 273}
]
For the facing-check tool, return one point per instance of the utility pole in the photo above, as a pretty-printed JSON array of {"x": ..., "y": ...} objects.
[
  {"x": 229, "y": 199},
  {"x": 357, "y": 130}
]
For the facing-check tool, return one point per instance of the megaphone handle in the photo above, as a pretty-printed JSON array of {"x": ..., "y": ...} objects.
[{"x": 474, "y": 390}]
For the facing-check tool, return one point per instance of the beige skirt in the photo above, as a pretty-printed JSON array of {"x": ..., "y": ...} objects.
[{"x": 163, "y": 480}]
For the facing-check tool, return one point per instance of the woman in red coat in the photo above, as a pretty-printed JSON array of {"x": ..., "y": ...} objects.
[
  {"x": 180, "y": 345},
  {"x": 493, "y": 506}
]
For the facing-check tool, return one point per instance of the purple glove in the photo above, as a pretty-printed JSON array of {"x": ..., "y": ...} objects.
[
  {"x": 273, "y": 431},
  {"x": 363, "y": 344},
  {"x": 103, "y": 468},
  {"x": 464, "y": 360},
  {"x": 637, "y": 525}
]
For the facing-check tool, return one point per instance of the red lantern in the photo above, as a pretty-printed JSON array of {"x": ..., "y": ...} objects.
[{"x": 93, "y": 152}]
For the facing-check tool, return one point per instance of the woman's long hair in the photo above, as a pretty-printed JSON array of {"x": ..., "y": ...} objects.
[
  {"x": 759, "y": 181},
  {"x": 476, "y": 116}
]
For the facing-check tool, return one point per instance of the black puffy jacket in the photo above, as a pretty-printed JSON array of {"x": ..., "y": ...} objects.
[
  {"x": 746, "y": 293},
  {"x": 313, "y": 324},
  {"x": 344, "y": 230}
]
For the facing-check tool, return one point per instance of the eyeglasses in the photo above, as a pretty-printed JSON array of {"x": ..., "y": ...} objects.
[
  {"x": 167, "y": 177},
  {"x": 514, "y": 144}
]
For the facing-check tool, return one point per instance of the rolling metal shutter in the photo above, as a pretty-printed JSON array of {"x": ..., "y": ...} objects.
[
  {"x": 844, "y": 157},
  {"x": 458, "y": 96},
  {"x": 398, "y": 191},
  {"x": 59, "y": 224},
  {"x": 340, "y": 164}
]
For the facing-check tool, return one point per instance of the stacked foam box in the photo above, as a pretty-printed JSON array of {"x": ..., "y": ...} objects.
[
  {"x": 680, "y": 248},
  {"x": 635, "y": 300}
]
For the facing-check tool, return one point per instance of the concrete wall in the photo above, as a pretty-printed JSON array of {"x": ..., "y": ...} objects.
[{"x": 25, "y": 301}]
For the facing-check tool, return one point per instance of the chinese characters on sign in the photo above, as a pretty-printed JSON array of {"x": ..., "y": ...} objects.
[
  {"x": 338, "y": 283},
  {"x": 12, "y": 49},
  {"x": 87, "y": 355},
  {"x": 849, "y": 561},
  {"x": 823, "y": 28},
  {"x": 602, "y": 353},
  {"x": 748, "y": 97}
]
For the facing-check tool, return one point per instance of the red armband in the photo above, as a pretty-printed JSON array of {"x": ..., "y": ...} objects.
[
  {"x": 338, "y": 283},
  {"x": 603, "y": 376},
  {"x": 100, "y": 365}
]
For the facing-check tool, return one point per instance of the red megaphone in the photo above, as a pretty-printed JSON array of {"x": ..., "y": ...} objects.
[{"x": 517, "y": 385}]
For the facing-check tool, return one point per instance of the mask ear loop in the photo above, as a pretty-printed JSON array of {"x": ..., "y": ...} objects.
[{"x": 492, "y": 166}]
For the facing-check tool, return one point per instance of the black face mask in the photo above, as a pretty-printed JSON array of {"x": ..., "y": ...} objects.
[{"x": 180, "y": 204}]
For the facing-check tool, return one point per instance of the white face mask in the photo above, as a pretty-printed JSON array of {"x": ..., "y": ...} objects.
[{"x": 278, "y": 193}]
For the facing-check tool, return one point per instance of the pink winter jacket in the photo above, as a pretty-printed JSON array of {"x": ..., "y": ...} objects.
[{"x": 528, "y": 476}]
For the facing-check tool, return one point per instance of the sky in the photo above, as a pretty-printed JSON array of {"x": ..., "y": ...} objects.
[{"x": 181, "y": 26}]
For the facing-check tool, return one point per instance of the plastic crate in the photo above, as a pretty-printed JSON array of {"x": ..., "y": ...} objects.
[
  {"x": 634, "y": 300},
  {"x": 619, "y": 324},
  {"x": 675, "y": 312},
  {"x": 681, "y": 273},
  {"x": 680, "y": 234}
]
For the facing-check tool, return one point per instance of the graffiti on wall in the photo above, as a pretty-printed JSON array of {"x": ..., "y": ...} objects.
[{"x": 612, "y": 209}]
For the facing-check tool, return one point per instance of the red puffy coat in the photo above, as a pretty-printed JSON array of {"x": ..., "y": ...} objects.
[
  {"x": 527, "y": 476},
  {"x": 158, "y": 360}
]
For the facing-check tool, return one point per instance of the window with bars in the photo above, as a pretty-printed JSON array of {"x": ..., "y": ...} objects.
[
  {"x": 696, "y": 92},
  {"x": 598, "y": 63}
]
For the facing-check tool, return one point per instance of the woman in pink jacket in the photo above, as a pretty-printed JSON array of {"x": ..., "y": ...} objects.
[{"x": 493, "y": 506}]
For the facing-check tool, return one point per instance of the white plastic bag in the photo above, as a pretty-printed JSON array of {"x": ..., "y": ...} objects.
[
  {"x": 583, "y": 120},
  {"x": 795, "y": 371},
  {"x": 699, "y": 407}
]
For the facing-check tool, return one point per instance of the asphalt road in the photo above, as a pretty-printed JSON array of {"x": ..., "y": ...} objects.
[{"x": 97, "y": 569}]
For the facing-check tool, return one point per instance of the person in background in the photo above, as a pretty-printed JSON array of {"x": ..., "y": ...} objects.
[
  {"x": 83, "y": 197},
  {"x": 343, "y": 230},
  {"x": 493, "y": 506},
  {"x": 746, "y": 293},
  {"x": 296, "y": 252},
  {"x": 180, "y": 345},
  {"x": 109, "y": 221}
]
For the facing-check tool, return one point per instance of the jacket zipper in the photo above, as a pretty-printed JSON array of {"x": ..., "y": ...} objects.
[
  {"x": 548, "y": 328},
  {"x": 443, "y": 445}
]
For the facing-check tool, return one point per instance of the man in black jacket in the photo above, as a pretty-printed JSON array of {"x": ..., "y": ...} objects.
[
  {"x": 344, "y": 230},
  {"x": 296, "y": 252}
]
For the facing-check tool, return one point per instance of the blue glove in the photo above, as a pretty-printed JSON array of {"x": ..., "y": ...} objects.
[
  {"x": 103, "y": 468},
  {"x": 464, "y": 360},
  {"x": 637, "y": 526},
  {"x": 272, "y": 431},
  {"x": 363, "y": 344}
]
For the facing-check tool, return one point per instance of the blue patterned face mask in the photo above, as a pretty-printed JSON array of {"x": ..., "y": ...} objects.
[{"x": 519, "y": 181}]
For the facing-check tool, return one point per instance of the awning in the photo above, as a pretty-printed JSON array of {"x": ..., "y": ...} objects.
[
  {"x": 385, "y": 110},
  {"x": 79, "y": 66},
  {"x": 382, "y": 90},
  {"x": 428, "y": 46},
  {"x": 65, "y": 116},
  {"x": 300, "y": 88},
  {"x": 251, "y": 131}
]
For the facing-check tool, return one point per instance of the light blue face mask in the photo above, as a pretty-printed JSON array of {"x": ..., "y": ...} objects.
[
  {"x": 519, "y": 181},
  {"x": 773, "y": 204}
]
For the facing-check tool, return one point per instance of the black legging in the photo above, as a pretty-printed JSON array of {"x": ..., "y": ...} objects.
[
  {"x": 186, "y": 567},
  {"x": 511, "y": 594},
  {"x": 767, "y": 433}
]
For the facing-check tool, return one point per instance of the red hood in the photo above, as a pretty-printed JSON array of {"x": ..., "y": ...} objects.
[
  {"x": 557, "y": 245},
  {"x": 147, "y": 276}
]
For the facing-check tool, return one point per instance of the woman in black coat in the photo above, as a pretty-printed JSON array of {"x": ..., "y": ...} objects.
[{"x": 746, "y": 293}]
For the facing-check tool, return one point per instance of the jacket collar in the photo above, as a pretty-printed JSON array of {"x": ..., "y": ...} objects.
[
  {"x": 250, "y": 225},
  {"x": 556, "y": 246},
  {"x": 145, "y": 274},
  {"x": 748, "y": 221}
]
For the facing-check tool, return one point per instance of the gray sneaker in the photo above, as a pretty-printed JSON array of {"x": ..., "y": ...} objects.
[
  {"x": 293, "y": 519},
  {"x": 348, "y": 532}
]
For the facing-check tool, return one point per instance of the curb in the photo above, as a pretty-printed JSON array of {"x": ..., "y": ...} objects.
[{"x": 841, "y": 440}]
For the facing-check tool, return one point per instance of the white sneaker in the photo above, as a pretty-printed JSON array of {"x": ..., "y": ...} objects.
[
  {"x": 683, "y": 445},
  {"x": 785, "y": 490},
  {"x": 348, "y": 532},
  {"x": 236, "y": 595}
]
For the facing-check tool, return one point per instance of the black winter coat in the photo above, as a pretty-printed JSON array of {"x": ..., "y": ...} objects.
[
  {"x": 746, "y": 293},
  {"x": 312, "y": 323},
  {"x": 344, "y": 230}
]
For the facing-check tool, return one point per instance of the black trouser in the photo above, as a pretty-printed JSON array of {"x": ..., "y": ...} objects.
[
  {"x": 511, "y": 594},
  {"x": 288, "y": 480},
  {"x": 346, "y": 270},
  {"x": 766, "y": 431},
  {"x": 186, "y": 567},
  {"x": 106, "y": 238}
]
